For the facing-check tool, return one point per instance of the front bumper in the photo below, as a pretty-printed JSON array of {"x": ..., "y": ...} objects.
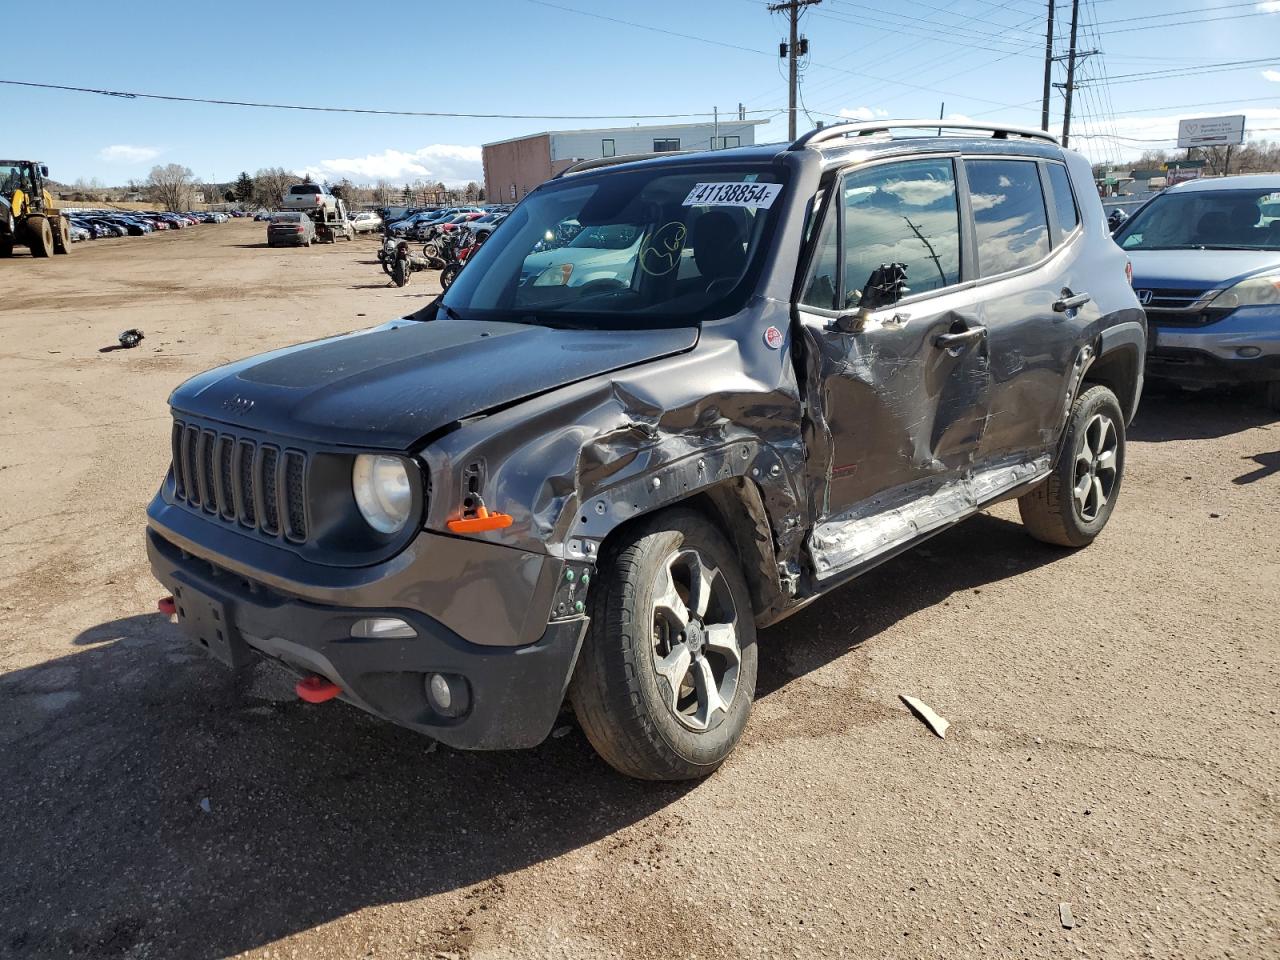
[
  {"x": 1242, "y": 347},
  {"x": 514, "y": 692}
]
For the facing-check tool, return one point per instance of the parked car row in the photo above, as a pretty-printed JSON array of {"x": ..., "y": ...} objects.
[{"x": 99, "y": 224}]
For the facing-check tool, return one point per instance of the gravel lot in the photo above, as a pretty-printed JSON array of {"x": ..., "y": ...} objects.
[{"x": 1114, "y": 710}]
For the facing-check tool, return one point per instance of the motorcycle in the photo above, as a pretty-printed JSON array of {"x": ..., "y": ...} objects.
[{"x": 446, "y": 253}]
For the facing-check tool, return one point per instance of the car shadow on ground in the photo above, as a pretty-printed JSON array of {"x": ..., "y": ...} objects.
[
  {"x": 1167, "y": 413},
  {"x": 152, "y": 804}
]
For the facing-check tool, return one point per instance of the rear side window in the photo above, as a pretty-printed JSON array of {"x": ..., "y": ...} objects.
[
  {"x": 1009, "y": 213},
  {"x": 904, "y": 213},
  {"x": 1064, "y": 203}
]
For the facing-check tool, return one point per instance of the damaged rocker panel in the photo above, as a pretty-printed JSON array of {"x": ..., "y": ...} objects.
[{"x": 899, "y": 517}]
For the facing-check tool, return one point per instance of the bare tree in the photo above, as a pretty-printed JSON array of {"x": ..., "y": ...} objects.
[
  {"x": 270, "y": 185},
  {"x": 382, "y": 193},
  {"x": 171, "y": 185}
]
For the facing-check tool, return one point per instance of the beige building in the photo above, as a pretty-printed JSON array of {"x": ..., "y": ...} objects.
[{"x": 514, "y": 167}]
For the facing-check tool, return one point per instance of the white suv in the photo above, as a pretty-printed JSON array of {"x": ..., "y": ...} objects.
[{"x": 310, "y": 196}]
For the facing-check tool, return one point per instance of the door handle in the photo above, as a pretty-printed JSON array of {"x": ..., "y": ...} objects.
[
  {"x": 951, "y": 341},
  {"x": 1063, "y": 304}
]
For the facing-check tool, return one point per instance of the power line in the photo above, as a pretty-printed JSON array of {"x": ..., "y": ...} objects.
[{"x": 129, "y": 95}]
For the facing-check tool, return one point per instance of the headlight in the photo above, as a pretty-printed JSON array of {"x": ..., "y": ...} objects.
[
  {"x": 1254, "y": 292},
  {"x": 382, "y": 490}
]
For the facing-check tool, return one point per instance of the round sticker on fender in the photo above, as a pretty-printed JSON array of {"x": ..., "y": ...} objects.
[{"x": 773, "y": 338}]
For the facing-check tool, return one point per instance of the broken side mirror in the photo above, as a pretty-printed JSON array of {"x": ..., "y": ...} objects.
[{"x": 885, "y": 287}]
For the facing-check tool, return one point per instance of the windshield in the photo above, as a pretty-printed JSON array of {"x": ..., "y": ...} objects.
[
  {"x": 305, "y": 188},
  {"x": 287, "y": 218},
  {"x": 1206, "y": 219},
  {"x": 654, "y": 246}
]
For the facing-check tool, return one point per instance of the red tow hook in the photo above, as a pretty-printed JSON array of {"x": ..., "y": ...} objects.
[
  {"x": 316, "y": 689},
  {"x": 166, "y": 606}
]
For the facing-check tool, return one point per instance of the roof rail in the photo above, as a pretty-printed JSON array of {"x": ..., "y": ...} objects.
[
  {"x": 595, "y": 164},
  {"x": 863, "y": 128}
]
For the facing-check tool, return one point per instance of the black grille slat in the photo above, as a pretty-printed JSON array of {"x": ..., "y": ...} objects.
[
  {"x": 248, "y": 510},
  {"x": 270, "y": 491},
  {"x": 208, "y": 480},
  {"x": 295, "y": 494},
  {"x": 190, "y": 443},
  {"x": 226, "y": 484},
  {"x": 179, "y": 481},
  {"x": 236, "y": 479}
]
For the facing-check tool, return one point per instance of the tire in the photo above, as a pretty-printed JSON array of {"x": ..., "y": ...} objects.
[
  {"x": 642, "y": 723},
  {"x": 448, "y": 274},
  {"x": 6, "y": 248},
  {"x": 62, "y": 237},
  {"x": 41, "y": 233},
  {"x": 1092, "y": 461}
]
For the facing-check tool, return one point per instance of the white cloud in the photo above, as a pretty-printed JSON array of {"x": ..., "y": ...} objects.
[
  {"x": 453, "y": 164},
  {"x": 1272, "y": 75},
  {"x": 863, "y": 113},
  {"x": 1269, "y": 6},
  {"x": 127, "y": 153}
]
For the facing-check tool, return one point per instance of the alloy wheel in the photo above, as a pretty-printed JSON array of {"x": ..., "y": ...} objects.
[
  {"x": 696, "y": 651},
  {"x": 1095, "y": 470}
]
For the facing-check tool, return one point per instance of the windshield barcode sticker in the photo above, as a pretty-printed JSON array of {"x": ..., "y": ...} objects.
[{"x": 757, "y": 196}]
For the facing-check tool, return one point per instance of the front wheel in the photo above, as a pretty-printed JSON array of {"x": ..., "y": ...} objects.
[
  {"x": 667, "y": 673},
  {"x": 62, "y": 237},
  {"x": 448, "y": 274},
  {"x": 1071, "y": 507},
  {"x": 41, "y": 242}
]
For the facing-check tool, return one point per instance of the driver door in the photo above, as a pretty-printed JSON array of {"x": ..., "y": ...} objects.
[{"x": 898, "y": 392}]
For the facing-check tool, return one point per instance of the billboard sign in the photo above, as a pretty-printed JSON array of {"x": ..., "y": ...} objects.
[{"x": 1211, "y": 131}]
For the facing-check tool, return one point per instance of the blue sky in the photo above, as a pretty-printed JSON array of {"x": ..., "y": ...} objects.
[{"x": 867, "y": 58}]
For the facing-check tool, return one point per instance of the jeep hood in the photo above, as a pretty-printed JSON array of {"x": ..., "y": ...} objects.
[
  {"x": 392, "y": 385},
  {"x": 1197, "y": 269}
]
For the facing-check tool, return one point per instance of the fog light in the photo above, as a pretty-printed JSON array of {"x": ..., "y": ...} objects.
[
  {"x": 447, "y": 694},
  {"x": 1248, "y": 352},
  {"x": 382, "y": 628}
]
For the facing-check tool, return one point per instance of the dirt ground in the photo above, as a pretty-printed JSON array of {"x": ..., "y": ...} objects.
[{"x": 1114, "y": 710}]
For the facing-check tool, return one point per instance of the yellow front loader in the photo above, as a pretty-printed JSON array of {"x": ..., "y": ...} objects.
[{"x": 28, "y": 214}]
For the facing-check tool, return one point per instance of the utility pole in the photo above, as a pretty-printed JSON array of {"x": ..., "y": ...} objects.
[
  {"x": 1048, "y": 70},
  {"x": 1069, "y": 87},
  {"x": 793, "y": 49},
  {"x": 1071, "y": 74}
]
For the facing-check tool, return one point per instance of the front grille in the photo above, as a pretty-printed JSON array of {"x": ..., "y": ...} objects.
[
  {"x": 1165, "y": 298},
  {"x": 241, "y": 481}
]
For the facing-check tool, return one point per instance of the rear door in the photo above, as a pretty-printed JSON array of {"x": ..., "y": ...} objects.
[
  {"x": 1036, "y": 304},
  {"x": 898, "y": 399}
]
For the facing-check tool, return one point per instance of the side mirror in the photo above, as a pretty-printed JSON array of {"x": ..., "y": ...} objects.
[
  {"x": 44, "y": 170},
  {"x": 885, "y": 287}
]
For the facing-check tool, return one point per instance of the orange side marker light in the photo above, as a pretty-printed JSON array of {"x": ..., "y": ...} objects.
[
  {"x": 316, "y": 689},
  {"x": 481, "y": 521}
]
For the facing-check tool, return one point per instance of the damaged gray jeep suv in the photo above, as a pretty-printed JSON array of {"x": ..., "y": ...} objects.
[{"x": 671, "y": 401}]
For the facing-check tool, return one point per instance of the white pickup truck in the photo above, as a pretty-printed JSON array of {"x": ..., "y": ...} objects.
[{"x": 310, "y": 197}]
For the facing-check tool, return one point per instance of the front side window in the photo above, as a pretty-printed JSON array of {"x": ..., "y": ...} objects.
[
  {"x": 1206, "y": 220},
  {"x": 904, "y": 213},
  {"x": 655, "y": 246},
  {"x": 1009, "y": 213}
]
